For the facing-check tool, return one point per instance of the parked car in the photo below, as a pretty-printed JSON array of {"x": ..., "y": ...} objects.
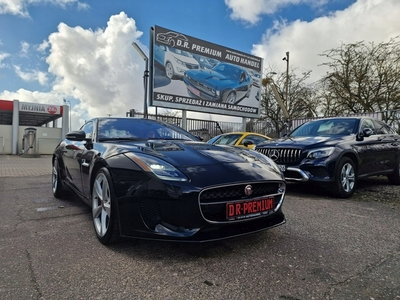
[
  {"x": 175, "y": 61},
  {"x": 149, "y": 179},
  {"x": 336, "y": 152},
  {"x": 225, "y": 82},
  {"x": 240, "y": 139},
  {"x": 256, "y": 78}
]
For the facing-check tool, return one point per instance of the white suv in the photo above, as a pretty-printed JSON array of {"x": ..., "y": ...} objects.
[{"x": 175, "y": 61}]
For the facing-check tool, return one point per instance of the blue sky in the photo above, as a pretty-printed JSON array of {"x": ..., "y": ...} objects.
[{"x": 81, "y": 50}]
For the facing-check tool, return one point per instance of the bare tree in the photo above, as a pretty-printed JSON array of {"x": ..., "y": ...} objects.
[
  {"x": 300, "y": 103},
  {"x": 364, "y": 78}
]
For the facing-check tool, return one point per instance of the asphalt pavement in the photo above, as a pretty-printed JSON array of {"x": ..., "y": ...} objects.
[
  {"x": 19, "y": 166},
  {"x": 328, "y": 249}
]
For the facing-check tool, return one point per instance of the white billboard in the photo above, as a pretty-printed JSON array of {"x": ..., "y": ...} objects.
[{"x": 191, "y": 74}]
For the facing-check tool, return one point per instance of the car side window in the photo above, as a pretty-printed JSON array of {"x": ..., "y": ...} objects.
[
  {"x": 382, "y": 128},
  {"x": 88, "y": 129},
  {"x": 228, "y": 139},
  {"x": 255, "y": 139}
]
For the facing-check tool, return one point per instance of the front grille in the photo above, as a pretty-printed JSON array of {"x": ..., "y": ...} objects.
[
  {"x": 213, "y": 201},
  {"x": 282, "y": 155},
  {"x": 229, "y": 193},
  {"x": 191, "y": 66}
]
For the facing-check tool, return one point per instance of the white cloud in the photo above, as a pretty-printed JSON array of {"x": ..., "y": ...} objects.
[
  {"x": 366, "y": 20},
  {"x": 43, "y": 46},
  {"x": 2, "y": 57},
  {"x": 34, "y": 97},
  {"x": 252, "y": 10},
  {"x": 100, "y": 68},
  {"x": 20, "y": 7},
  {"x": 24, "y": 48},
  {"x": 33, "y": 75},
  {"x": 13, "y": 7}
]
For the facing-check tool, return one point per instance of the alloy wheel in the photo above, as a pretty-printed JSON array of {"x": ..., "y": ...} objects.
[
  {"x": 101, "y": 204},
  {"x": 347, "y": 177}
]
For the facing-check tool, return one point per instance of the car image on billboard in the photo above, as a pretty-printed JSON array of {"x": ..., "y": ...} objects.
[{"x": 225, "y": 82}]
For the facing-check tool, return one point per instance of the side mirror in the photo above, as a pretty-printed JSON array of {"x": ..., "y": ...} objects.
[
  {"x": 367, "y": 132},
  {"x": 247, "y": 143},
  {"x": 78, "y": 135}
]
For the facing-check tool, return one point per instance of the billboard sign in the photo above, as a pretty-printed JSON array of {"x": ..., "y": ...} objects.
[
  {"x": 39, "y": 108},
  {"x": 191, "y": 74}
]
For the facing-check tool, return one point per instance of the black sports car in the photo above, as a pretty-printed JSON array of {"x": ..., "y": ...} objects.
[
  {"x": 335, "y": 152},
  {"x": 150, "y": 179}
]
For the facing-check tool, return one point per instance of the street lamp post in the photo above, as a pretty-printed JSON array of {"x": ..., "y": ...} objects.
[
  {"x": 145, "y": 76},
  {"x": 69, "y": 103},
  {"x": 287, "y": 77}
]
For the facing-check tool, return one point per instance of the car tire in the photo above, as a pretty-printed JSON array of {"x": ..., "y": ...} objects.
[
  {"x": 58, "y": 188},
  {"x": 230, "y": 98},
  {"x": 169, "y": 70},
  {"x": 345, "y": 178},
  {"x": 394, "y": 178},
  {"x": 104, "y": 208}
]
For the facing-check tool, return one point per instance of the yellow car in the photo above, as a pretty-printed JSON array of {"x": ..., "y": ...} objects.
[{"x": 240, "y": 139}]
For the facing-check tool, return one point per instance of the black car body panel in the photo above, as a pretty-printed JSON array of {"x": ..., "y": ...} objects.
[
  {"x": 192, "y": 206},
  {"x": 313, "y": 151}
]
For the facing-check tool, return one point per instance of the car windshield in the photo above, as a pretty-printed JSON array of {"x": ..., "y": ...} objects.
[
  {"x": 180, "y": 52},
  {"x": 229, "y": 139},
  {"x": 139, "y": 129},
  {"x": 229, "y": 71},
  {"x": 326, "y": 127}
]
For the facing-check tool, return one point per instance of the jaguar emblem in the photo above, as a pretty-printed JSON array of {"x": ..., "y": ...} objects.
[{"x": 248, "y": 190}]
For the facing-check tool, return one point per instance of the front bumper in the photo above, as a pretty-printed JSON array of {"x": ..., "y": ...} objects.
[
  {"x": 173, "y": 213},
  {"x": 318, "y": 172}
]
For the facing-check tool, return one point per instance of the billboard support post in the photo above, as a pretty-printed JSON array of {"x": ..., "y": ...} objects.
[{"x": 145, "y": 76}]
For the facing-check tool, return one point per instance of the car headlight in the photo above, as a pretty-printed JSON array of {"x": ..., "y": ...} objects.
[
  {"x": 320, "y": 153},
  {"x": 179, "y": 61},
  {"x": 158, "y": 167}
]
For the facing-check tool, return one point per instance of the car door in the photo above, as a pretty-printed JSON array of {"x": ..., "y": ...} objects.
[
  {"x": 71, "y": 151},
  {"x": 389, "y": 145},
  {"x": 375, "y": 151},
  {"x": 74, "y": 158},
  {"x": 85, "y": 157}
]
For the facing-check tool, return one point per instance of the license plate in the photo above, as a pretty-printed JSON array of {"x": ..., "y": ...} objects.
[
  {"x": 194, "y": 91},
  {"x": 282, "y": 168},
  {"x": 249, "y": 209}
]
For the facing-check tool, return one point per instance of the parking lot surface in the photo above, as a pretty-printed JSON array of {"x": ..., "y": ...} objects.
[{"x": 328, "y": 249}]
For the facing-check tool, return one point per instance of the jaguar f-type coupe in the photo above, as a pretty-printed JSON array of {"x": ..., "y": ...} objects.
[{"x": 150, "y": 179}]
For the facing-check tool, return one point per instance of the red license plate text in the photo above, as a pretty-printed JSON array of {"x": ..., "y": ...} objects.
[{"x": 249, "y": 209}]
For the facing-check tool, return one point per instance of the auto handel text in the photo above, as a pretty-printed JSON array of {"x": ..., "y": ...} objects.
[{"x": 204, "y": 103}]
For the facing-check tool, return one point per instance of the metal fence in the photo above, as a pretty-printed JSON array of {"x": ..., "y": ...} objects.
[{"x": 208, "y": 129}]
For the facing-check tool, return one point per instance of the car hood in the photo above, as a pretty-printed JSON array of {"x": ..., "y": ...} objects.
[
  {"x": 304, "y": 141},
  {"x": 211, "y": 164},
  {"x": 180, "y": 153},
  {"x": 210, "y": 77},
  {"x": 184, "y": 58}
]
